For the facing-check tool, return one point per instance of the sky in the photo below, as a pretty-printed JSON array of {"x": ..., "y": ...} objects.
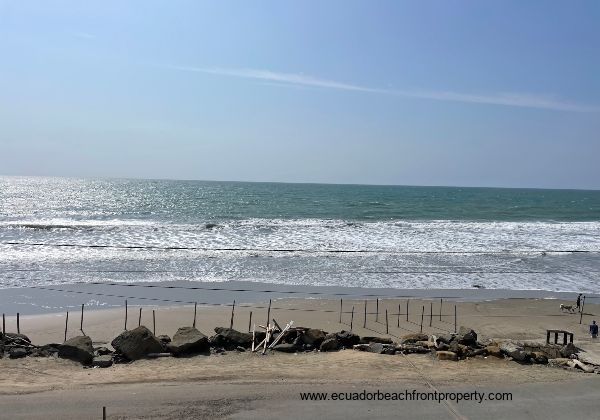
[{"x": 464, "y": 93}]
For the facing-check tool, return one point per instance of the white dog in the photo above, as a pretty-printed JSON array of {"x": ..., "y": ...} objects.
[{"x": 569, "y": 308}]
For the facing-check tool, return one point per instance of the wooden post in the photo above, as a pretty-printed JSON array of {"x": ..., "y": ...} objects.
[
  {"x": 547, "y": 337},
  {"x": 268, "y": 313},
  {"x": 250, "y": 321},
  {"x": 125, "y": 314},
  {"x": 81, "y": 325},
  {"x": 580, "y": 317},
  {"x": 377, "y": 311},
  {"x": 18, "y": 324},
  {"x": 407, "y": 309},
  {"x": 365, "y": 322},
  {"x": 430, "y": 312},
  {"x": 195, "y": 310},
  {"x": 341, "y": 307},
  {"x": 454, "y": 319},
  {"x": 153, "y": 322},
  {"x": 398, "y": 315},
  {"x": 3, "y": 326},
  {"x": 387, "y": 326},
  {"x": 103, "y": 413},
  {"x": 66, "y": 325},
  {"x": 441, "y": 304},
  {"x": 422, "y": 315},
  {"x": 140, "y": 318},
  {"x": 232, "y": 315},
  {"x": 352, "y": 318}
]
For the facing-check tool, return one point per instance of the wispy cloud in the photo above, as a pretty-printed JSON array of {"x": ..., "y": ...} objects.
[{"x": 299, "y": 79}]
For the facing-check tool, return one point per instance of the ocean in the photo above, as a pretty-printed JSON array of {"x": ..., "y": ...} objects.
[{"x": 61, "y": 230}]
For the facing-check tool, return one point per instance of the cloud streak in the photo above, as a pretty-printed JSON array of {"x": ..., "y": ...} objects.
[{"x": 299, "y": 79}]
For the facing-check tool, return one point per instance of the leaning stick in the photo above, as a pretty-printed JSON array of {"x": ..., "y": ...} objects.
[{"x": 280, "y": 336}]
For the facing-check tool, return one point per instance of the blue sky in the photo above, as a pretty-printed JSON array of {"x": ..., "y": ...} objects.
[{"x": 470, "y": 93}]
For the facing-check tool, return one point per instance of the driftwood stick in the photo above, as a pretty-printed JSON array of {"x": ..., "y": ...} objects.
[
  {"x": 66, "y": 325},
  {"x": 281, "y": 334}
]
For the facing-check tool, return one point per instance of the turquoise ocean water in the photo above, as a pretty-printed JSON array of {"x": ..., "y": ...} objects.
[{"x": 58, "y": 229}]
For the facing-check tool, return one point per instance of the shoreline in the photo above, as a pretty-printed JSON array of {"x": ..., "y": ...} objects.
[{"x": 54, "y": 299}]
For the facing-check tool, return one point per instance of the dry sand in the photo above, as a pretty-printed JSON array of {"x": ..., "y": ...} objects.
[{"x": 523, "y": 319}]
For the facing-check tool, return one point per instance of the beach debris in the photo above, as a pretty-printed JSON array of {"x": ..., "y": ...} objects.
[
  {"x": 137, "y": 343},
  {"x": 413, "y": 338},
  {"x": 188, "y": 340},
  {"x": 79, "y": 349}
]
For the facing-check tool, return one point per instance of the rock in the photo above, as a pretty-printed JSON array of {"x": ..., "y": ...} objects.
[
  {"x": 103, "y": 361},
  {"x": 494, "y": 351},
  {"x": 188, "y": 340},
  {"x": 286, "y": 348},
  {"x": 102, "y": 351},
  {"x": 136, "y": 344},
  {"x": 313, "y": 337},
  {"x": 568, "y": 350},
  {"x": 539, "y": 357},
  {"x": 382, "y": 340},
  {"x": 164, "y": 339},
  {"x": 467, "y": 336},
  {"x": 515, "y": 351},
  {"x": 230, "y": 339},
  {"x": 330, "y": 344},
  {"x": 559, "y": 362},
  {"x": 17, "y": 353},
  {"x": 412, "y": 348},
  {"x": 79, "y": 349},
  {"x": 412, "y": 338},
  {"x": 446, "y": 355},
  {"x": 347, "y": 339},
  {"x": 361, "y": 347},
  {"x": 50, "y": 348},
  {"x": 16, "y": 338},
  {"x": 477, "y": 352},
  {"x": 445, "y": 339}
]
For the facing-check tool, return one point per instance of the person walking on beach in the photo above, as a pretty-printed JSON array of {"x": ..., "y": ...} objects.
[
  {"x": 578, "y": 303},
  {"x": 594, "y": 329}
]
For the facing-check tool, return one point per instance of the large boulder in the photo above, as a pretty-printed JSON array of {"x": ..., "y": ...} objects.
[
  {"x": 18, "y": 353},
  {"x": 516, "y": 351},
  {"x": 286, "y": 348},
  {"x": 230, "y": 339},
  {"x": 569, "y": 350},
  {"x": 494, "y": 351},
  {"x": 346, "y": 339},
  {"x": 467, "y": 337},
  {"x": 313, "y": 337},
  {"x": 330, "y": 344},
  {"x": 188, "y": 340},
  {"x": 79, "y": 349},
  {"x": 136, "y": 344},
  {"x": 413, "y": 338}
]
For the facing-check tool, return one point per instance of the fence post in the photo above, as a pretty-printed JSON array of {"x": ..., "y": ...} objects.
[
  {"x": 125, "y": 314},
  {"x": 103, "y": 413},
  {"x": 352, "y": 319},
  {"x": 377, "y": 311},
  {"x": 66, "y": 325},
  {"x": 441, "y": 304},
  {"x": 430, "y": 313},
  {"x": 365, "y": 323},
  {"x": 18, "y": 324},
  {"x": 232, "y": 315},
  {"x": 153, "y": 322},
  {"x": 268, "y": 313},
  {"x": 195, "y": 310},
  {"x": 250, "y": 322},
  {"x": 341, "y": 308},
  {"x": 580, "y": 317},
  {"x": 422, "y": 315},
  {"x": 387, "y": 327},
  {"x": 140, "y": 318},
  {"x": 454, "y": 319},
  {"x": 398, "y": 315},
  {"x": 407, "y": 300},
  {"x": 3, "y": 328},
  {"x": 81, "y": 325}
]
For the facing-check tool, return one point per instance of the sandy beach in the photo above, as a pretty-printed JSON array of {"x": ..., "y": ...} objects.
[{"x": 281, "y": 377}]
